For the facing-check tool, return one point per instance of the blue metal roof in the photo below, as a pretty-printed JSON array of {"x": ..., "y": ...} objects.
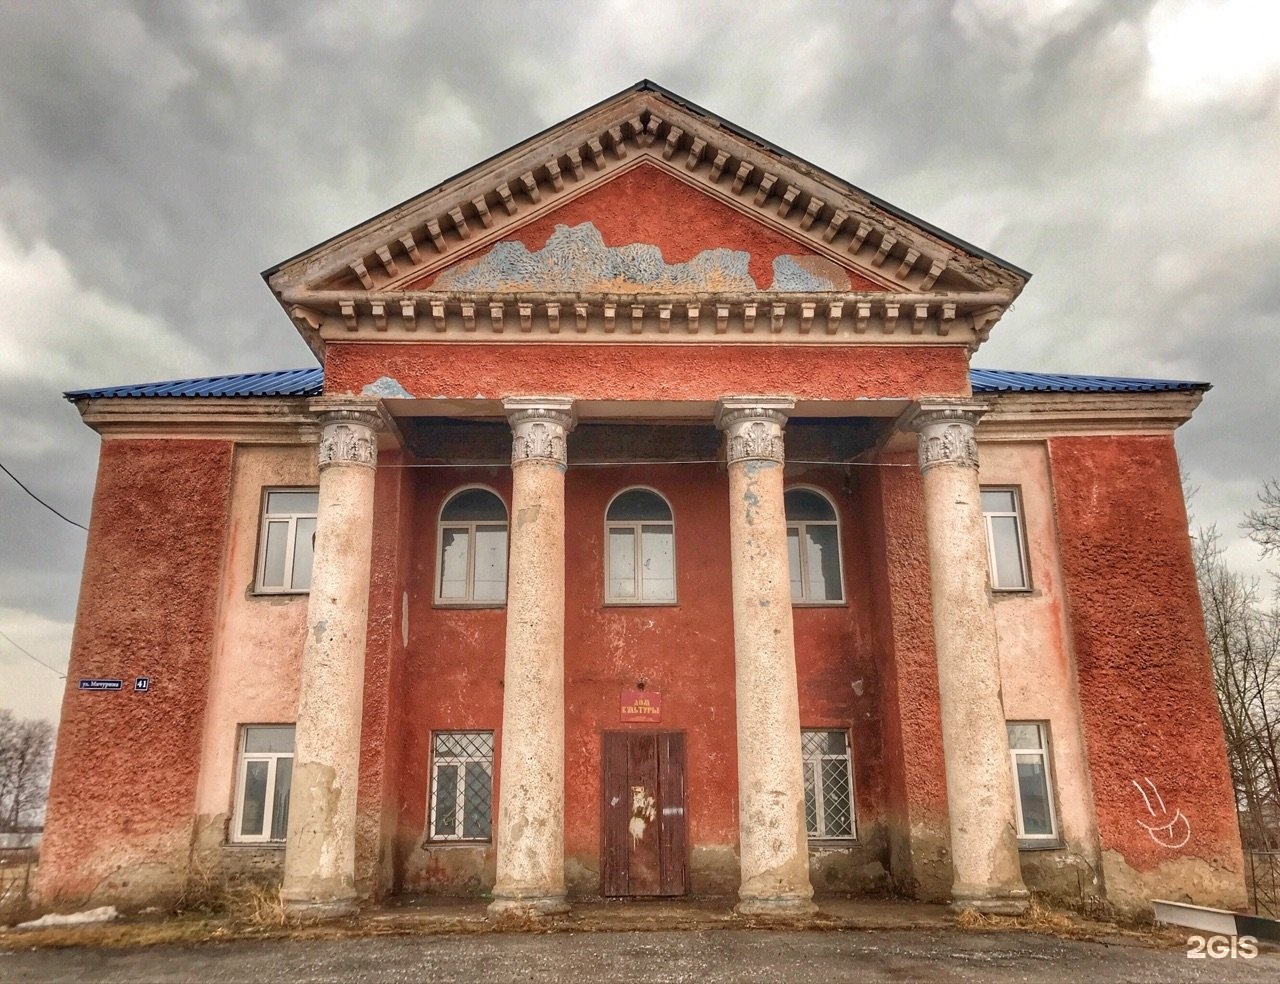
[
  {"x": 287, "y": 382},
  {"x": 310, "y": 382},
  {"x": 1000, "y": 381}
]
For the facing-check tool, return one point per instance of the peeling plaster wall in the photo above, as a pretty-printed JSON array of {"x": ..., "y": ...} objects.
[
  {"x": 454, "y": 664},
  {"x": 123, "y": 796},
  {"x": 915, "y": 775},
  {"x": 840, "y": 687},
  {"x": 609, "y": 649},
  {"x": 381, "y": 725},
  {"x": 1156, "y": 757},
  {"x": 1038, "y": 678},
  {"x": 451, "y": 681},
  {"x": 647, "y": 206},
  {"x": 575, "y": 258},
  {"x": 649, "y": 372},
  {"x": 255, "y": 672}
]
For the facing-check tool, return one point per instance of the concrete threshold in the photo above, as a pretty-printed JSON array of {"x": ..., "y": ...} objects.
[{"x": 686, "y": 913}]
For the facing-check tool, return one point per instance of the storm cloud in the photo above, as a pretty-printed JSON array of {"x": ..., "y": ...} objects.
[{"x": 155, "y": 157}]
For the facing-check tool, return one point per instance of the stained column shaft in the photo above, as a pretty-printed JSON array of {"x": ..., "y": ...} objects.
[
  {"x": 319, "y": 864},
  {"x": 773, "y": 843},
  {"x": 530, "y": 831},
  {"x": 984, "y": 836}
]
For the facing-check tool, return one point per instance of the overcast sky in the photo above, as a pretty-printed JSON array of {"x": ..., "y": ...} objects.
[{"x": 154, "y": 157}]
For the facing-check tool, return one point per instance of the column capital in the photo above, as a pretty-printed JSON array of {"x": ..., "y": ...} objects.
[
  {"x": 946, "y": 430},
  {"x": 348, "y": 431},
  {"x": 540, "y": 426},
  {"x": 753, "y": 426}
]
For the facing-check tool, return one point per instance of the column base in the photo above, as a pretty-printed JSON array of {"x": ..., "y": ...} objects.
[
  {"x": 1012, "y": 903},
  {"x": 536, "y": 907},
  {"x": 318, "y": 910},
  {"x": 779, "y": 908}
]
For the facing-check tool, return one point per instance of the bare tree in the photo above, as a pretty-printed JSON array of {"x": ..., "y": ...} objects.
[
  {"x": 1244, "y": 640},
  {"x": 26, "y": 755},
  {"x": 1264, "y": 524}
]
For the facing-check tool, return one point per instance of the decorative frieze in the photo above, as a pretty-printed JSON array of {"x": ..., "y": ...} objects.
[
  {"x": 753, "y": 427},
  {"x": 946, "y": 433},
  {"x": 952, "y": 319},
  {"x": 540, "y": 428},
  {"x": 348, "y": 437}
]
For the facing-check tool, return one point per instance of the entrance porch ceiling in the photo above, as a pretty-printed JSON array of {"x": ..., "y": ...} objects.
[
  {"x": 484, "y": 442},
  {"x": 639, "y": 411}
]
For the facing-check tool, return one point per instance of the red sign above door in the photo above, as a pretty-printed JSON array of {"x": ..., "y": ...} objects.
[{"x": 640, "y": 706}]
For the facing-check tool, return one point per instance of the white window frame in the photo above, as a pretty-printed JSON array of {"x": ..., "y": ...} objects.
[
  {"x": 636, "y": 526},
  {"x": 292, "y": 519},
  {"x": 800, "y": 525},
  {"x": 460, "y": 761},
  {"x": 815, "y": 761},
  {"x": 1021, "y": 526},
  {"x": 1038, "y": 840},
  {"x": 242, "y": 771},
  {"x": 470, "y": 526}
]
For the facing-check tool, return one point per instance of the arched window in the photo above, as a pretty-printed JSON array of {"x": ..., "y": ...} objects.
[
  {"x": 813, "y": 547},
  {"x": 471, "y": 567},
  {"x": 640, "y": 550}
]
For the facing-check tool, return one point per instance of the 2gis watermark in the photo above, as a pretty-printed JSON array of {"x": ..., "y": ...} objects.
[{"x": 1222, "y": 947}]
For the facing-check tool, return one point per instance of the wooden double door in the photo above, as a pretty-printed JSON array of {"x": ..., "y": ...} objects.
[{"x": 645, "y": 843}]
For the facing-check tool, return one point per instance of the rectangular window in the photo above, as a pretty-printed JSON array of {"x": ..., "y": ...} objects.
[
  {"x": 1006, "y": 539},
  {"x": 461, "y": 786},
  {"x": 828, "y": 784},
  {"x": 262, "y": 787},
  {"x": 1032, "y": 788},
  {"x": 287, "y": 540}
]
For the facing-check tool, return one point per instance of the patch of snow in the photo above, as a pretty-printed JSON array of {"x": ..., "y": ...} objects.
[{"x": 102, "y": 914}]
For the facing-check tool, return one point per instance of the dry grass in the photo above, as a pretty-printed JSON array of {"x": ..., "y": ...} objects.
[
  {"x": 1048, "y": 921},
  {"x": 204, "y": 912},
  {"x": 15, "y": 893},
  {"x": 257, "y": 904},
  {"x": 204, "y": 892},
  {"x": 1039, "y": 918}
]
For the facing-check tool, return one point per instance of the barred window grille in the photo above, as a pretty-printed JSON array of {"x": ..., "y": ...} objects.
[
  {"x": 462, "y": 785},
  {"x": 828, "y": 784}
]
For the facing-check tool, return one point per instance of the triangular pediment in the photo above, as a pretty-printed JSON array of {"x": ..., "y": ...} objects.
[
  {"x": 644, "y": 194},
  {"x": 642, "y": 230}
]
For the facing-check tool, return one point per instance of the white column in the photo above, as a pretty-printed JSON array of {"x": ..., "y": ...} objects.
[
  {"x": 530, "y": 832},
  {"x": 319, "y": 865},
  {"x": 984, "y": 836},
  {"x": 772, "y": 839}
]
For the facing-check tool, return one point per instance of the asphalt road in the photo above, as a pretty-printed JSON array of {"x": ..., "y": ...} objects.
[{"x": 736, "y": 956}]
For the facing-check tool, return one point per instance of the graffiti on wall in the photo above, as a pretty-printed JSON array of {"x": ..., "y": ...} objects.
[
  {"x": 575, "y": 258},
  {"x": 1171, "y": 830}
]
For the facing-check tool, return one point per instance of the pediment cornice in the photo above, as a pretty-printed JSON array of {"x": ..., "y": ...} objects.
[
  {"x": 917, "y": 318},
  {"x": 487, "y": 202}
]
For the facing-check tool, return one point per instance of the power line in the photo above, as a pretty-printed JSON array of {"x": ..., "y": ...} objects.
[
  {"x": 657, "y": 461},
  {"x": 41, "y": 501},
  {"x": 23, "y": 651}
]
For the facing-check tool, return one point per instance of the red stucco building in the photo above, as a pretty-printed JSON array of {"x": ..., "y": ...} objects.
[{"x": 647, "y": 531}]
